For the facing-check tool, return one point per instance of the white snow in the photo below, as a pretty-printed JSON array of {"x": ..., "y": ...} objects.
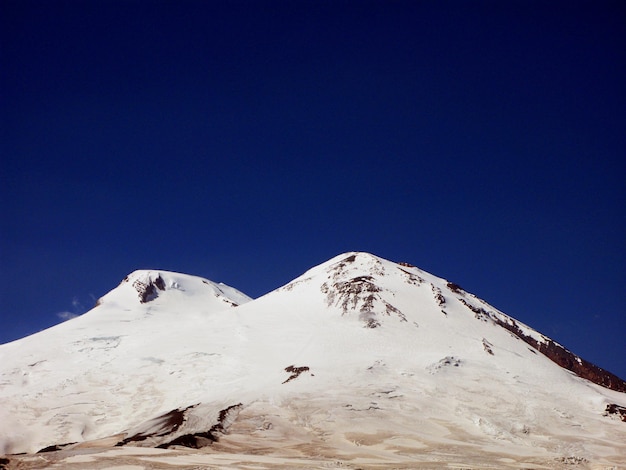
[{"x": 419, "y": 382}]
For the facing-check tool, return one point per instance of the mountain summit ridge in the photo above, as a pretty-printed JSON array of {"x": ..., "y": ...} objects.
[
  {"x": 149, "y": 283},
  {"x": 359, "y": 292},
  {"x": 167, "y": 359}
]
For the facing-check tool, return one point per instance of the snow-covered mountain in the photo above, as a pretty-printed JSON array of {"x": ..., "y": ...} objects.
[{"x": 359, "y": 359}]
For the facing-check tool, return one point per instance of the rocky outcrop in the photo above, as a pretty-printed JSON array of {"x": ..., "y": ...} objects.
[
  {"x": 295, "y": 372},
  {"x": 198, "y": 440},
  {"x": 347, "y": 294},
  {"x": 614, "y": 409},
  {"x": 479, "y": 313},
  {"x": 361, "y": 293},
  {"x": 566, "y": 359},
  {"x": 457, "y": 289},
  {"x": 163, "y": 425},
  {"x": 552, "y": 350},
  {"x": 149, "y": 290},
  {"x": 53, "y": 448}
]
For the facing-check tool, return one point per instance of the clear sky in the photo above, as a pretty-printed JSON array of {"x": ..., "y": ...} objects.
[{"x": 246, "y": 141}]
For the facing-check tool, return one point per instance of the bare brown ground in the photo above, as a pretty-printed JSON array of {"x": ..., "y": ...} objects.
[
  {"x": 265, "y": 437},
  {"x": 211, "y": 459},
  {"x": 284, "y": 447}
]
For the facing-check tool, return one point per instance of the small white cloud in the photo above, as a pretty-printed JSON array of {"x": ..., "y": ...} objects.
[
  {"x": 77, "y": 310},
  {"x": 64, "y": 316},
  {"x": 77, "y": 305}
]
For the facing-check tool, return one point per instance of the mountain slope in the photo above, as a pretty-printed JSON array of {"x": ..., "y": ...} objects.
[
  {"x": 87, "y": 377},
  {"x": 357, "y": 355}
]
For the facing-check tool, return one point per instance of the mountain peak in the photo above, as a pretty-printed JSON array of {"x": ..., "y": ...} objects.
[
  {"x": 162, "y": 289},
  {"x": 356, "y": 339},
  {"x": 147, "y": 284},
  {"x": 373, "y": 289}
]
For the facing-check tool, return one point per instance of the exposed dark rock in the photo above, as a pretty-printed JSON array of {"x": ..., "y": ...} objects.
[
  {"x": 566, "y": 359},
  {"x": 406, "y": 265},
  {"x": 450, "y": 360},
  {"x": 368, "y": 303},
  {"x": 457, "y": 289},
  {"x": 479, "y": 313},
  {"x": 148, "y": 292},
  {"x": 295, "y": 372},
  {"x": 614, "y": 409},
  {"x": 4, "y": 462},
  {"x": 54, "y": 448},
  {"x": 350, "y": 292},
  {"x": 203, "y": 439},
  {"x": 487, "y": 346},
  {"x": 445, "y": 362},
  {"x": 165, "y": 424},
  {"x": 412, "y": 278},
  {"x": 194, "y": 441},
  {"x": 389, "y": 309},
  {"x": 360, "y": 294},
  {"x": 338, "y": 269},
  {"x": 439, "y": 298},
  {"x": 554, "y": 351},
  {"x": 159, "y": 283}
]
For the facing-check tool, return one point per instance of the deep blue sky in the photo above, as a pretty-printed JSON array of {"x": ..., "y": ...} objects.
[{"x": 246, "y": 141}]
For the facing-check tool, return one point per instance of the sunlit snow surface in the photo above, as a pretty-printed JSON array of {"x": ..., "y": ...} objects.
[{"x": 394, "y": 369}]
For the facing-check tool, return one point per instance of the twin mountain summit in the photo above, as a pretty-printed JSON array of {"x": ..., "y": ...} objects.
[{"x": 357, "y": 354}]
